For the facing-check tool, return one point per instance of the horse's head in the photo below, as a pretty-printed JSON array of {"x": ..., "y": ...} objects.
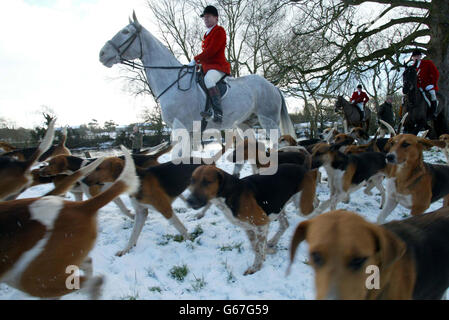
[
  {"x": 339, "y": 104},
  {"x": 126, "y": 45},
  {"x": 409, "y": 78}
]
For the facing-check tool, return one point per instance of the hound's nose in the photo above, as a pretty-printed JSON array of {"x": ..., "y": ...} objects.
[
  {"x": 191, "y": 202},
  {"x": 391, "y": 158}
]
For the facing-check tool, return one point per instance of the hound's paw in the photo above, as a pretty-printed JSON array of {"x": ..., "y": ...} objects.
[
  {"x": 121, "y": 253},
  {"x": 131, "y": 215},
  {"x": 271, "y": 249},
  {"x": 250, "y": 270},
  {"x": 96, "y": 287}
]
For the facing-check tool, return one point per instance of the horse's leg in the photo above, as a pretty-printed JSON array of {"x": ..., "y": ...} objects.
[
  {"x": 269, "y": 124},
  {"x": 246, "y": 129}
]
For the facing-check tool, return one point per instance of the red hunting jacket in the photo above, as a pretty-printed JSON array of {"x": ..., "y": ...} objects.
[
  {"x": 427, "y": 74},
  {"x": 213, "y": 55},
  {"x": 357, "y": 98}
]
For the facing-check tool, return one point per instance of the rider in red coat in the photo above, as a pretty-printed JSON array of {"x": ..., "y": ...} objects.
[
  {"x": 360, "y": 98},
  {"x": 427, "y": 78},
  {"x": 212, "y": 60}
]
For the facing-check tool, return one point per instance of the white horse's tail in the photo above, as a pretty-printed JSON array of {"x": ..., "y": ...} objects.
[{"x": 286, "y": 124}]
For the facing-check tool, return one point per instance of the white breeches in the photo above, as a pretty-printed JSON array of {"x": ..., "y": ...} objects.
[
  {"x": 212, "y": 77},
  {"x": 431, "y": 90},
  {"x": 360, "y": 105}
]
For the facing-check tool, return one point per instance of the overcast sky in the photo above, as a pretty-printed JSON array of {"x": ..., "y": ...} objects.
[{"x": 49, "y": 56}]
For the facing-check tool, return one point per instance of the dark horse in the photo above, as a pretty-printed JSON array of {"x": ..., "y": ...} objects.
[
  {"x": 352, "y": 114},
  {"x": 418, "y": 110},
  {"x": 414, "y": 103}
]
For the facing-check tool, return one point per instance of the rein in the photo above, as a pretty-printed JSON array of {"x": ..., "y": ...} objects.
[{"x": 183, "y": 70}]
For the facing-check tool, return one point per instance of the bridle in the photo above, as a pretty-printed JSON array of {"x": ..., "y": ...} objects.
[
  {"x": 128, "y": 42},
  {"x": 183, "y": 70}
]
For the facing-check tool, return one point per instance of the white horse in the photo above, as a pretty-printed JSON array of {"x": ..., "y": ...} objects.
[{"x": 247, "y": 96}]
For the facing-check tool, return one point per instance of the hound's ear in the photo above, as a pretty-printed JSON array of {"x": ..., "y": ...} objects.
[
  {"x": 389, "y": 247},
  {"x": 298, "y": 237},
  {"x": 388, "y": 145},
  {"x": 220, "y": 179},
  {"x": 431, "y": 143},
  {"x": 337, "y": 146},
  {"x": 116, "y": 168}
]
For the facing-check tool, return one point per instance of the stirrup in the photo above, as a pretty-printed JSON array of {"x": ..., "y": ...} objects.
[
  {"x": 218, "y": 117},
  {"x": 206, "y": 114}
]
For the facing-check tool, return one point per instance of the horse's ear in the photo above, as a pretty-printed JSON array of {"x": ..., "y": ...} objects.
[
  {"x": 130, "y": 21},
  {"x": 136, "y": 22}
]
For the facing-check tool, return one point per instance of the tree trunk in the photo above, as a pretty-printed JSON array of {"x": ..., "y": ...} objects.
[{"x": 439, "y": 53}]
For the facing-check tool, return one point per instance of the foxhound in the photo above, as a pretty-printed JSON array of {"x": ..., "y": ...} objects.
[
  {"x": 254, "y": 201},
  {"x": 359, "y": 135},
  {"x": 6, "y": 147},
  {"x": 409, "y": 180},
  {"x": 64, "y": 164},
  {"x": 355, "y": 259},
  {"x": 346, "y": 172},
  {"x": 254, "y": 152},
  {"x": 42, "y": 238},
  {"x": 26, "y": 153},
  {"x": 445, "y": 138},
  {"x": 15, "y": 175},
  {"x": 159, "y": 186}
]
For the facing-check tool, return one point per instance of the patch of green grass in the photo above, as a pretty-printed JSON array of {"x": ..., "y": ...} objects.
[
  {"x": 230, "y": 277},
  {"x": 180, "y": 210},
  {"x": 198, "y": 283},
  {"x": 179, "y": 272},
  {"x": 237, "y": 246},
  {"x": 155, "y": 289},
  {"x": 167, "y": 237},
  {"x": 197, "y": 232}
]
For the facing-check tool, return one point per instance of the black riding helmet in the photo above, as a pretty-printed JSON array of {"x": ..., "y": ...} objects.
[{"x": 211, "y": 10}]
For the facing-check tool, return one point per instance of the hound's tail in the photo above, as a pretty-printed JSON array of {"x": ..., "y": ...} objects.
[
  {"x": 157, "y": 148},
  {"x": 401, "y": 124},
  {"x": 127, "y": 182},
  {"x": 67, "y": 183},
  {"x": 45, "y": 144},
  {"x": 64, "y": 138},
  {"x": 389, "y": 127},
  {"x": 286, "y": 124},
  {"x": 165, "y": 149}
]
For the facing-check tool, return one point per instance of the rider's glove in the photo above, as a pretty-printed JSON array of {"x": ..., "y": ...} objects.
[{"x": 192, "y": 63}]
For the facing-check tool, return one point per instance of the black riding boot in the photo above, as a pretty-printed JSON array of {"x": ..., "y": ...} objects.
[
  {"x": 434, "y": 109},
  {"x": 362, "y": 114},
  {"x": 214, "y": 94}
]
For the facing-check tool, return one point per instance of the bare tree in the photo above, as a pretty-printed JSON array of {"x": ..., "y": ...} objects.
[{"x": 344, "y": 32}]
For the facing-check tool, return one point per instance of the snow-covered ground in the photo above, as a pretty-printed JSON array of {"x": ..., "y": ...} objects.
[{"x": 214, "y": 262}]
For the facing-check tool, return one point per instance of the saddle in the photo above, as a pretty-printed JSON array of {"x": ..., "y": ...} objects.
[{"x": 222, "y": 86}]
